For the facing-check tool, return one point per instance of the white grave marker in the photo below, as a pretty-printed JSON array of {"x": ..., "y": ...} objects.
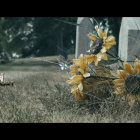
[
  {"x": 82, "y": 39},
  {"x": 129, "y": 39}
]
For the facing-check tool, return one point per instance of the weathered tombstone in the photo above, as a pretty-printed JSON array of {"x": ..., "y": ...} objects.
[
  {"x": 129, "y": 39},
  {"x": 82, "y": 40}
]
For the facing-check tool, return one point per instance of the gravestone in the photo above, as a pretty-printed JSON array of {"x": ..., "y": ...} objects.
[
  {"x": 129, "y": 39},
  {"x": 82, "y": 39}
]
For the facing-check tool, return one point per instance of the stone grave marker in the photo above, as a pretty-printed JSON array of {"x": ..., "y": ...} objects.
[
  {"x": 82, "y": 39},
  {"x": 129, "y": 38}
]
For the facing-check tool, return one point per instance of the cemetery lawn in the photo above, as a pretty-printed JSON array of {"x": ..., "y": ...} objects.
[{"x": 40, "y": 95}]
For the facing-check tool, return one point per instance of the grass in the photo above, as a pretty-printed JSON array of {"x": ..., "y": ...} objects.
[{"x": 41, "y": 95}]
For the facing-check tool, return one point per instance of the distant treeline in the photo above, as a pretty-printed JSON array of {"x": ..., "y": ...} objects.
[{"x": 43, "y": 36}]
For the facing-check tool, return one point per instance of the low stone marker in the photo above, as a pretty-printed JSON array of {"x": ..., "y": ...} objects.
[
  {"x": 5, "y": 83},
  {"x": 129, "y": 39},
  {"x": 82, "y": 40}
]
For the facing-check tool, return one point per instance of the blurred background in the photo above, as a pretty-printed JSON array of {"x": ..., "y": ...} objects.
[{"x": 22, "y": 37}]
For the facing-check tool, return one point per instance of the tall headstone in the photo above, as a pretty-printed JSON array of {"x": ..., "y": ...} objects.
[
  {"x": 129, "y": 38},
  {"x": 82, "y": 39}
]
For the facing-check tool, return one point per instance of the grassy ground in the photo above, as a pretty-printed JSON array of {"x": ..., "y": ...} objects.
[{"x": 40, "y": 94}]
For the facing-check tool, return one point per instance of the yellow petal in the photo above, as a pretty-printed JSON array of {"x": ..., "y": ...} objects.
[
  {"x": 104, "y": 56},
  {"x": 122, "y": 74},
  {"x": 92, "y": 36},
  {"x": 83, "y": 65},
  {"x": 110, "y": 38},
  {"x": 87, "y": 69},
  {"x": 112, "y": 43},
  {"x": 103, "y": 50},
  {"x": 99, "y": 56},
  {"x": 80, "y": 86},
  {"x": 73, "y": 67},
  {"x": 74, "y": 89},
  {"x": 137, "y": 66},
  {"x": 86, "y": 75},
  {"x": 100, "y": 32},
  {"x": 70, "y": 82},
  {"x": 90, "y": 58},
  {"x": 96, "y": 61},
  {"x": 128, "y": 68},
  {"x": 118, "y": 81},
  {"x": 107, "y": 46},
  {"x": 73, "y": 72},
  {"x": 105, "y": 33},
  {"x": 75, "y": 79},
  {"x": 82, "y": 61},
  {"x": 78, "y": 78},
  {"x": 91, "y": 43},
  {"x": 76, "y": 61}
]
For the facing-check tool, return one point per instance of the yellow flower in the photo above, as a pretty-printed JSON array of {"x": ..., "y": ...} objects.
[
  {"x": 99, "y": 46},
  {"x": 127, "y": 85},
  {"x": 78, "y": 87},
  {"x": 80, "y": 65},
  {"x": 80, "y": 72},
  {"x": 77, "y": 81}
]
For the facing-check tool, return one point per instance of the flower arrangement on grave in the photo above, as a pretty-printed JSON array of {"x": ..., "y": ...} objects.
[
  {"x": 127, "y": 86},
  {"x": 82, "y": 79},
  {"x": 99, "y": 46}
]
